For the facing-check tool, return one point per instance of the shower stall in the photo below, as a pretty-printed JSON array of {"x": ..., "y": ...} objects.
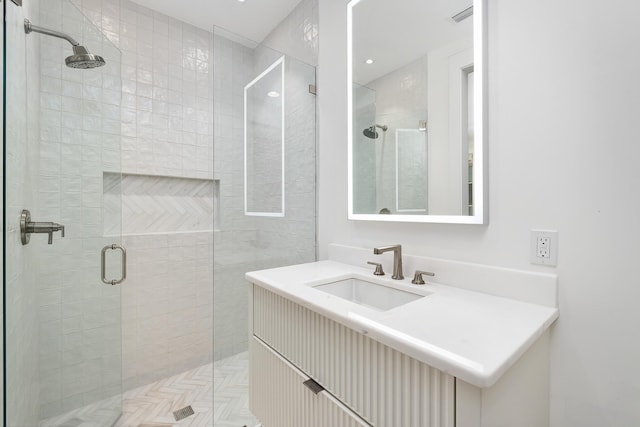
[
  {"x": 390, "y": 151},
  {"x": 265, "y": 164},
  {"x": 365, "y": 146},
  {"x": 158, "y": 162}
]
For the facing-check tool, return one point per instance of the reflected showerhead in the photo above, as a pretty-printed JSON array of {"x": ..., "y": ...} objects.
[
  {"x": 461, "y": 16},
  {"x": 370, "y": 132},
  {"x": 81, "y": 57}
]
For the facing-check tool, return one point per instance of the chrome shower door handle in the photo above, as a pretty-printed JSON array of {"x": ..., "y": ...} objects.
[{"x": 104, "y": 261}]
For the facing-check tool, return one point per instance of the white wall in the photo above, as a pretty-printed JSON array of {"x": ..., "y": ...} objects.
[
  {"x": 448, "y": 179},
  {"x": 563, "y": 149}
]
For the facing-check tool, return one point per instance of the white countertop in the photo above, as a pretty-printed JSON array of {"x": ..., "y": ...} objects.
[{"x": 473, "y": 336}]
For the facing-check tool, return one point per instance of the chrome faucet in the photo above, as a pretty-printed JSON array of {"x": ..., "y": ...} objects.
[{"x": 397, "y": 259}]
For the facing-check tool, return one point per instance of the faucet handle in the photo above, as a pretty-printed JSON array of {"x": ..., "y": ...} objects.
[
  {"x": 379, "y": 271},
  {"x": 417, "y": 278},
  {"x": 55, "y": 227}
]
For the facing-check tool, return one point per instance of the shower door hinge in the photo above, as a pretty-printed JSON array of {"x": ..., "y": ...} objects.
[
  {"x": 18, "y": 2},
  {"x": 312, "y": 89}
]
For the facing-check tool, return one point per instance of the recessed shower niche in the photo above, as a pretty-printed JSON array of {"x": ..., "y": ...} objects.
[{"x": 158, "y": 204}]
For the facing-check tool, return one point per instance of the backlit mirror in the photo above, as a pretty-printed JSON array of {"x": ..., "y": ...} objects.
[{"x": 416, "y": 111}]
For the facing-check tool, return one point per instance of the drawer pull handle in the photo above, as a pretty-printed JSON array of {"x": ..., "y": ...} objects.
[{"x": 313, "y": 386}]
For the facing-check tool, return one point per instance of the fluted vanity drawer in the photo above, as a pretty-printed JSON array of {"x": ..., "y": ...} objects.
[
  {"x": 279, "y": 397},
  {"x": 384, "y": 386}
]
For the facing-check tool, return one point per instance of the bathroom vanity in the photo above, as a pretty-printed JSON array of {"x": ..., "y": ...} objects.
[{"x": 332, "y": 345}]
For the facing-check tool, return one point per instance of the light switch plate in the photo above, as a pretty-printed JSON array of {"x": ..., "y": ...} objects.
[{"x": 544, "y": 247}]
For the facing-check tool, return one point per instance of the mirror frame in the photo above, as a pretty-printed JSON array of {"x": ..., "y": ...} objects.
[{"x": 480, "y": 175}]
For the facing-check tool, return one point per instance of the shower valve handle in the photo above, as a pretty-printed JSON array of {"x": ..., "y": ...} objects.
[{"x": 27, "y": 227}]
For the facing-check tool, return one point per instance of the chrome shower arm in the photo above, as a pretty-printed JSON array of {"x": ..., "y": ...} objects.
[{"x": 29, "y": 27}]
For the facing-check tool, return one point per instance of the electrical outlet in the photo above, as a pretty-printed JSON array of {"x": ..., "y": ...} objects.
[{"x": 544, "y": 247}]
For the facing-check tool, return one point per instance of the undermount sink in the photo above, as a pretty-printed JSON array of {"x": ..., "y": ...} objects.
[{"x": 368, "y": 294}]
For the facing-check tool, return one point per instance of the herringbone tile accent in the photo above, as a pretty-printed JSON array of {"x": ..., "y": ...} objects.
[
  {"x": 155, "y": 403},
  {"x": 221, "y": 403},
  {"x": 231, "y": 392},
  {"x": 152, "y": 204},
  {"x": 100, "y": 414}
]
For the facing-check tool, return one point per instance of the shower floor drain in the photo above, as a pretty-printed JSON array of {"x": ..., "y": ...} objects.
[{"x": 183, "y": 413}]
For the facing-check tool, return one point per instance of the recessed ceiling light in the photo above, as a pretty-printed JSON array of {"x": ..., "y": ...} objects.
[
  {"x": 241, "y": 1},
  {"x": 273, "y": 94},
  {"x": 369, "y": 61}
]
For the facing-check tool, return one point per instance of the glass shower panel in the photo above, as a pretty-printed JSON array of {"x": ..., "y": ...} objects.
[
  {"x": 244, "y": 242},
  {"x": 62, "y": 323}
]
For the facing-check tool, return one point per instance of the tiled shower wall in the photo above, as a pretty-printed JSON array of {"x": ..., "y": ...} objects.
[
  {"x": 167, "y": 136},
  {"x": 79, "y": 317},
  {"x": 297, "y": 34},
  {"x": 166, "y": 89},
  {"x": 165, "y": 129},
  {"x": 159, "y": 120},
  {"x": 264, "y": 147},
  {"x": 364, "y": 148},
  {"x": 245, "y": 243}
]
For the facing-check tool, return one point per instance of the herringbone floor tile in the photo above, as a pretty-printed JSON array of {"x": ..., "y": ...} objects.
[{"x": 222, "y": 402}]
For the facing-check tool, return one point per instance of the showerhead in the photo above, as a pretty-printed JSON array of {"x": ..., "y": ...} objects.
[
  {"x": 84, "y": 61},
  {"x": 81, "y": 57},
  {"x": 370, "y": 132}
]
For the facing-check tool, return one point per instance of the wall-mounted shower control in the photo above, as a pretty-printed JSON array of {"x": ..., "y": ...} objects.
[{"x": 27, "y": 227}]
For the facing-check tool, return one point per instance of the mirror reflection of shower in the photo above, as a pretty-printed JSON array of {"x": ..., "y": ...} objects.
[
  {"x": 371, "y": 132},
  {"x": 81, "y": 57}
]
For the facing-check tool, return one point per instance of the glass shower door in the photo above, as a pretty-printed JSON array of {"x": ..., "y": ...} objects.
[
  {"x": 264, "y": 164},
  {"x": 63, "y": 261}
]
